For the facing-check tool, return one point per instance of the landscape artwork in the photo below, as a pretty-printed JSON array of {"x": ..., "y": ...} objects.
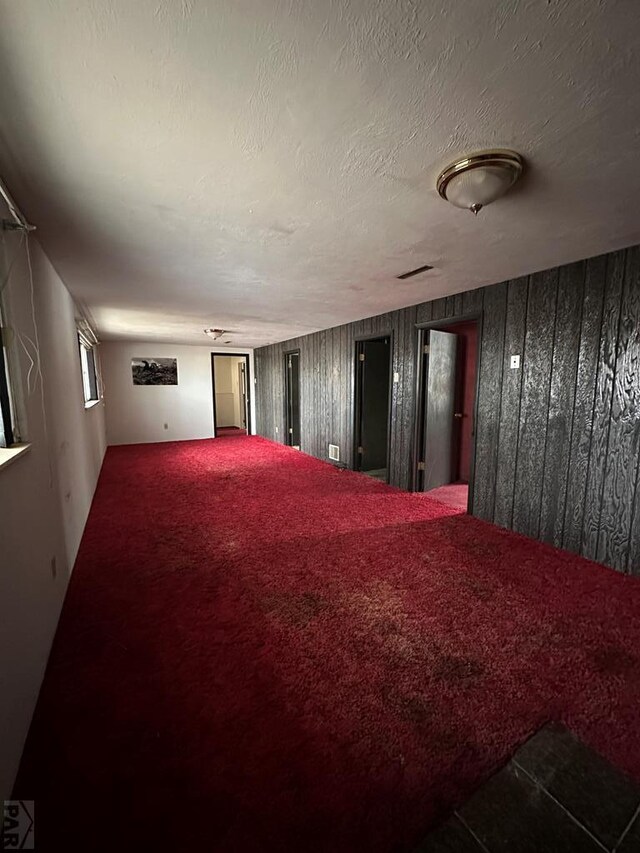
[{"x": 154, "y": 371}]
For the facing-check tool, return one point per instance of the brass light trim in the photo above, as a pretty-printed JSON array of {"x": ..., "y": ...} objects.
[{"x": 503, "y": 158}]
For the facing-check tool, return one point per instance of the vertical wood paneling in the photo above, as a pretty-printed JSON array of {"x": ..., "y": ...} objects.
[
  {"x": 350, "y": 386},
  {"x": 561, "y": 402},
  {"x": 605, "y": 376},
  {"x": 472, "y": 301},
  {"x": 324, "y": 387},
  {"x": 395, "y": 436},
  {"x": 439, "y": 309},
  {"x": 278, "y": 392},
  {"x": 316, "y": 442},
  {"x": 558, "y": 441},
  {"x": 536, "y": 377},
  {"x": 407, "y": 354},
  {"x": 334, "y": 384},
  {"x": 591, "y": 313},
  {"x": 515, "y": 325},
  {"x": 624, "y": 430},
  {"x": 488, "y": 423},
  {"x": 260, "y": 399},
  {"x": 424, "y": 312},
  {"x": 345, "y": 391}
]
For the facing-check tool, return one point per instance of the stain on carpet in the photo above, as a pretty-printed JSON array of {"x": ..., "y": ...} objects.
[{"x": 294, "y": 609}]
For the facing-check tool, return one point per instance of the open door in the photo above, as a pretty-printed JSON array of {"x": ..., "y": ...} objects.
[
  {"x": 292, "y": 398},
  {"x": 440, "y": 409},
  {"x": 373, "y": 383},
  {"x": 231, "y": 381}
]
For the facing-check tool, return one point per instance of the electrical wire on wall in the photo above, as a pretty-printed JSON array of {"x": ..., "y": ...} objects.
[
  {"x": 19, "y": 223},
  {"x": 8, "y": 332},
  {"x": 5, "y": 280},
  {"x": 38, "y": 359},
  {"x": 20, "y": 336}
]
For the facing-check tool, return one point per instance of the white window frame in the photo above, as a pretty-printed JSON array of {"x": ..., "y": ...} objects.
[{"x": 89, "y": 371}]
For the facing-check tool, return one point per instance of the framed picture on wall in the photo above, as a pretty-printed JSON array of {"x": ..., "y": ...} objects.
[{"x": 154, "y": 371}]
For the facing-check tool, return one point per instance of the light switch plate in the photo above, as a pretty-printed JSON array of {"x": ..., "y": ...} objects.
[
  {"x": 515, "y": 362},
  {"x": 396, "y": 377}
]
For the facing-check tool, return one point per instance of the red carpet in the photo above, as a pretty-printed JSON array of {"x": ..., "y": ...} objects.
[
  {"x": 226, "y": 432},
  {"x": 259, "y": 652},
  {"x": 455, "y": 495}
]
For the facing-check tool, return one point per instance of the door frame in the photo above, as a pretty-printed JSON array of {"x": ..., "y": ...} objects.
[
  {"x": 419, "y": 401},
  {"x": 357, "y": 401},
  {"x": 284, "y": 359},
  {"x": 247, "y": 362}
]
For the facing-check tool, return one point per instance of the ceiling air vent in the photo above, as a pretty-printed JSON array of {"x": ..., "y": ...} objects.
[{"x": 416, "y": 271}]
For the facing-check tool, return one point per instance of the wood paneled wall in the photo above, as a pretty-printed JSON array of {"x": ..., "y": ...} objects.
[{"x": 557, "y": 441}]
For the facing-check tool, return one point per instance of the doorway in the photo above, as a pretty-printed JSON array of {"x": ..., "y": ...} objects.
[
  {"x": 292, "y": 398},
  {"x": 231, "y": 394},
  {"x": 446, "y": 411},
  {"x": 373, "y": 406}
]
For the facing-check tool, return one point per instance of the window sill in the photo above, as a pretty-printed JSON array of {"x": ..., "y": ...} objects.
[
  {"x": 10, "y": 454},
  {"x": 91, "y": 403}
]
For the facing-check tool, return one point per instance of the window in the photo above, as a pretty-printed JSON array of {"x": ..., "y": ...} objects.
[
  {"x": 6, "y": 415},
  {"x": 89, "y": 374}
]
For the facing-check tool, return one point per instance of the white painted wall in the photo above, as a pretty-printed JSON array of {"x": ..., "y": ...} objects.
[
  {"x": 138, "y": 413},
  {"x": 45, "y": 495}
]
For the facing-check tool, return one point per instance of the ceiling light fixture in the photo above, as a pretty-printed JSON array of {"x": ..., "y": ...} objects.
[
  {"x": 214, "y": 333},
  {"x": 479, "y": 179}
]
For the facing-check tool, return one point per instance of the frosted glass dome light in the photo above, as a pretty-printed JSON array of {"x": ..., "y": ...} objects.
[{"x": 477, "y": 180}]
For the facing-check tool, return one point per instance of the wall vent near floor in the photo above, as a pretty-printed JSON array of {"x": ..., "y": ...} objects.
[{"x": 334, "y": 453}]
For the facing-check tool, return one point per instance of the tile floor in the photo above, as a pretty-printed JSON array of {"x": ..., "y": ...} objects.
[{"x": 556, "y": 795}]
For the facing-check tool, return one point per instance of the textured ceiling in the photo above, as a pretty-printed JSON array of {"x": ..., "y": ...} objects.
[{"x": 269, "y": 167}]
